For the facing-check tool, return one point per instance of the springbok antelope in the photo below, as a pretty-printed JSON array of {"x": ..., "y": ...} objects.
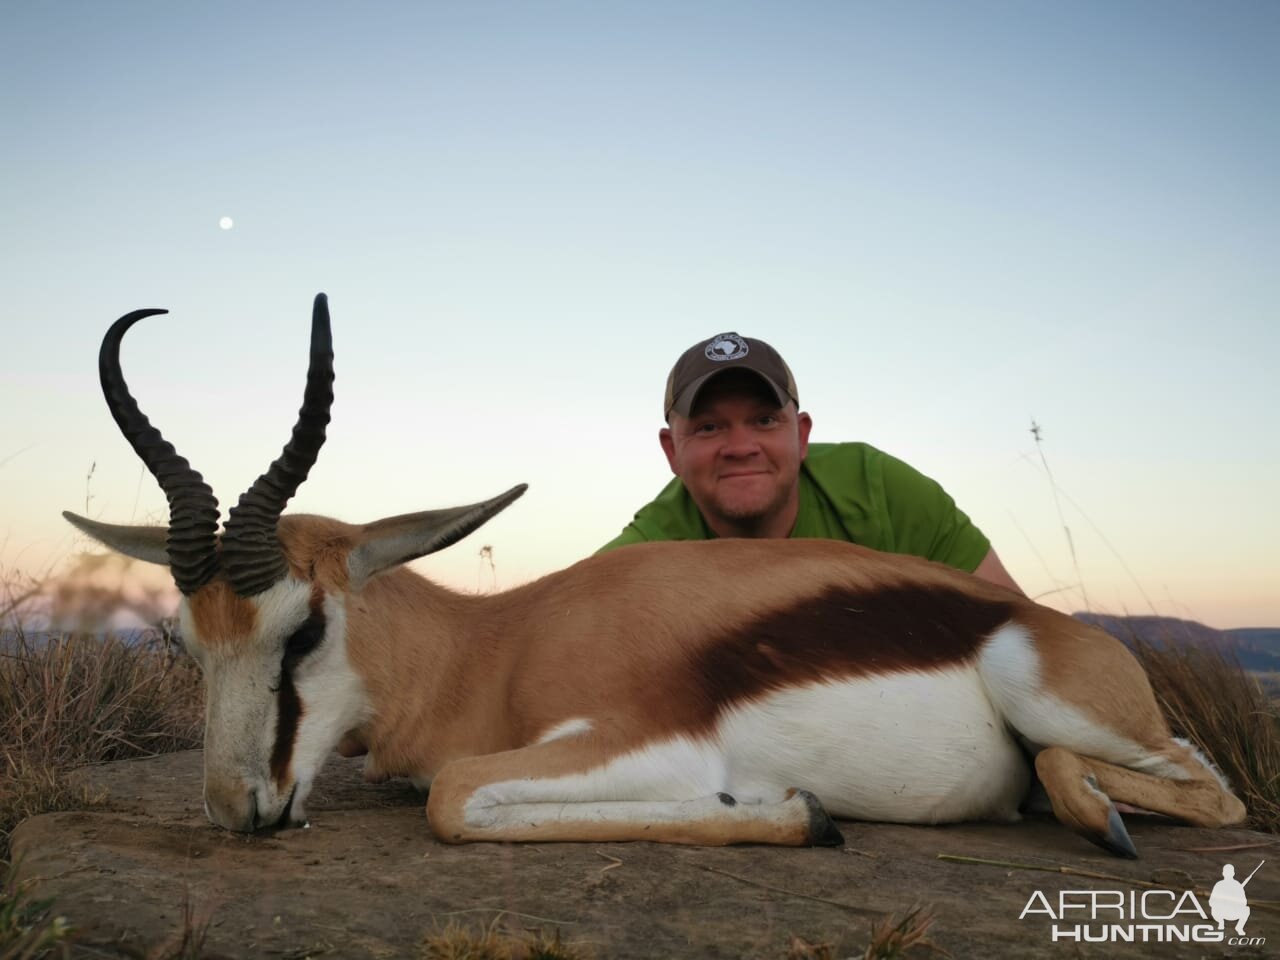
[{"x": 731, "y": 691}]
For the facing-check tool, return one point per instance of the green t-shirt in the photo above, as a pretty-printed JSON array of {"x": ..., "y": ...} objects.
[{"x": 848, "y": 491}]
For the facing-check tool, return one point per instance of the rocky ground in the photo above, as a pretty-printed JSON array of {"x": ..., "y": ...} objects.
[{"x": 367, "y": 880}]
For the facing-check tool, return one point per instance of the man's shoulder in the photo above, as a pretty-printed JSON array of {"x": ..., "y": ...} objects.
[
  {"x": 671, "y": 515},
  {"x": 860, "y": 465},
  {"x": 836, "y": 454},
  {"x": 888, "y": 504},
  {"x": 843, "y": 465}
]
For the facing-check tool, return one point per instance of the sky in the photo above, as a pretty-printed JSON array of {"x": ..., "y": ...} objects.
[{"x": 953, "y": 220}]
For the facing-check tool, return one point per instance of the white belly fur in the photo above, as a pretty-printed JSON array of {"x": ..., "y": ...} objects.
[{"x": 909, "y": 748}]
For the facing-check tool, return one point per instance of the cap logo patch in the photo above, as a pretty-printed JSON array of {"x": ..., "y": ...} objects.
[{"x": 726, "y": 346}]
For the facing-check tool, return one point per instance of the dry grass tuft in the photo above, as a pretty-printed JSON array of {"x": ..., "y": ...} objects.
[
  {"x": 456, "y": 942},
  {"x": 895, "y": 935},
  {"x": 67, "y": 701},
  {"x": 70, "y": 699},
  {"x": 187, "y": 943},
  {"x": 1213, "y": 702},
  {"x": 801, "y": 949},
  {"x": 29, "y": 786}
]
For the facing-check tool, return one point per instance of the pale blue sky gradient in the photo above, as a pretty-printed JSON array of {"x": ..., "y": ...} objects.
[{"x": 949, "y": 217}]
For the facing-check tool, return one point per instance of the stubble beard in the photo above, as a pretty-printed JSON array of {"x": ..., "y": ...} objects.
[{"x": 751, "y": 520}]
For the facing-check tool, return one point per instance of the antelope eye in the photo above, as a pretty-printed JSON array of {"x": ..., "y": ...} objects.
[{"x": 305, "y": 639}]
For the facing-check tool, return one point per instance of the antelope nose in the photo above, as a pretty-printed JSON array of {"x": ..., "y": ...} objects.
[{"x": 234, "y": 809}]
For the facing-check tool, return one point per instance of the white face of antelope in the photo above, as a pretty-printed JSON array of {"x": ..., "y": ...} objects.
[
  {"x": 280, "y": 690},
  {"x": 280, "y": 695}
]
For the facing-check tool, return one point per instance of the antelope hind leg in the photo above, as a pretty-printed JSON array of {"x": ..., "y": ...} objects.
[
  {"x": 559, "y": 792},
  {"x": 1082, "y": 789},
  {"x": 1079, "y": 802},
  {"x": 1085, "y": 697}
]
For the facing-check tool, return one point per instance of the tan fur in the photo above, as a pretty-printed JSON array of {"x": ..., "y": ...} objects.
[
  {"x": 1198, "y": 800},
  {"x": 316, "y": 548},
  {"x": 1088, "y": 667},
  {"x": 222, "y": 619},
  {"x": 429, "y": 656},
  {"x": 459, "y": 683},
  {"x": 707, "y": 655}
]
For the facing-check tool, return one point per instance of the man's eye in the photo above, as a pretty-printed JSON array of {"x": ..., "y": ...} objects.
[
  {"x": 705, "y": 428},
  {"x": 768, "y": 420}
]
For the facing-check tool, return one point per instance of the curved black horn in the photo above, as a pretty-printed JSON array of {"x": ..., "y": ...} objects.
[
  {"x": 193, "y": 509},
  {"x": 251, "y": 554}
]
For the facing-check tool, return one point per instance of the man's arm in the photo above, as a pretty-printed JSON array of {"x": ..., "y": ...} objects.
[{"x": 993, "y": 571}]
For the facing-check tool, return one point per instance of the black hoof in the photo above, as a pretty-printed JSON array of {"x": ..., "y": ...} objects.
[
  {"x": 822, "y": 829},
  {"x": 1117, "y": 840}
]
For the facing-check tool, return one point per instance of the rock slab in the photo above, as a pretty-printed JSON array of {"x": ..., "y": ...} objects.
[{"x": 367, "y": 880}]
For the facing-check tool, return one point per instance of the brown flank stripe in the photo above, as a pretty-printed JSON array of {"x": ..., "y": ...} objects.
[{"x": 837, "y": 634}]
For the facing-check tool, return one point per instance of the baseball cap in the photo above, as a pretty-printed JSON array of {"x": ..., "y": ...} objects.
[{"x": 726, "y": 351}]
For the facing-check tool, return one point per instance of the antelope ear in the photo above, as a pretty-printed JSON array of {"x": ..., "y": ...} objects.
[
  {"x": 388, "y": 543},
  {"x": 141, "y": 543}
]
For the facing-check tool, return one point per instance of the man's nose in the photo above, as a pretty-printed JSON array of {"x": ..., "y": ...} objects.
[{"x": 740, "y": 441}]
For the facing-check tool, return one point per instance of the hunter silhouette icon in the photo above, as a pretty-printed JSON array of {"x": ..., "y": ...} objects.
[{"x": 1227, "y": 901}]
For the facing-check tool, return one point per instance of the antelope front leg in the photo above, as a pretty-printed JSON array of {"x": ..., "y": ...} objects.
[{"x": 565, "y": 791}]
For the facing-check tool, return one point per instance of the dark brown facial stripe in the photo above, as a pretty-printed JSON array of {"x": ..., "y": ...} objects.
[
  {"x": 289, "y": 708},
  {"x": 288, "y": 716},
  {"x": 840, "y": 634}
]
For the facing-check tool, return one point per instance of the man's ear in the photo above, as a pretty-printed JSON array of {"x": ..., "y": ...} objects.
[
  {"x": 804, "y": 423},
  {"x": 668, "y": 442}
]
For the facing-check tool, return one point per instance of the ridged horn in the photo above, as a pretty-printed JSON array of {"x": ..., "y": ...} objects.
[
  {"x": 251, "y": 553},
  {"x": 193, "y": 509}
]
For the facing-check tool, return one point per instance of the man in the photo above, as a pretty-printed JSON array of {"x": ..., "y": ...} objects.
[{"x": 739, "y": 447}]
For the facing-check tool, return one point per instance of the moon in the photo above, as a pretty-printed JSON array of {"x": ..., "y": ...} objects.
[{"x": 226, "y": 223}]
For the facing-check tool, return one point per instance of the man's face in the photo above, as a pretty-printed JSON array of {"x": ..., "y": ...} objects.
[{"x": 739, "y": 455}]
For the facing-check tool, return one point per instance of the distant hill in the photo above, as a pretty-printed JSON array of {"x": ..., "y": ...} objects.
[
  {"x": 1257, "y": 638},
  {"x": 1256, "y": 648},
  {"x": 1157, "y": 630},
  {"x": 35, "y": 639}
]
